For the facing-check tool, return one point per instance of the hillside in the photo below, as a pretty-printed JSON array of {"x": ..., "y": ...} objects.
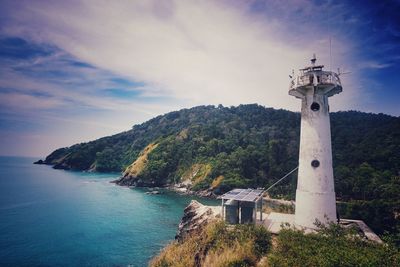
[
  {"x": 219, "y": 245},
  {"x": 218, "y": 148}
]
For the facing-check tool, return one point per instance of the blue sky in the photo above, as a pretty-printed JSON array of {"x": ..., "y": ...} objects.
[{"x": 74, "y": 71}]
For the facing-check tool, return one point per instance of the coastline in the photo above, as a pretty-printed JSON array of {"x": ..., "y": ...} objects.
[{"x": 177, "y": 188}]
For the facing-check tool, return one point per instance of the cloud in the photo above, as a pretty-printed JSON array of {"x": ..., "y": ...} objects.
[
  {"x": 200, "y": 52},
  {"x": 51, "y": 101},
  {"x": 23, "y": 101},
  {"x": 373, "y": 65},
  {"x": 57, "y": 77},
  {"x": 101, "y": 66}
]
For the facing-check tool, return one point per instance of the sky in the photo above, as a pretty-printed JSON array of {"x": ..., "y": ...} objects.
[{"x": 74, "y": 71}]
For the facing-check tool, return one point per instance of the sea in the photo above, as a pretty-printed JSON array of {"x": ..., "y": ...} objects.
[{"x": 54, "y": 217}]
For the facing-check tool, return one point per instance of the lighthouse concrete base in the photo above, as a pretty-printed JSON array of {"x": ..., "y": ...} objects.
[{"x": 275, "y": 222}]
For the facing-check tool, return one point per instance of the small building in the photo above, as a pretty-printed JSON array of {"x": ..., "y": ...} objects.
[{"x": 240, "y": 206}]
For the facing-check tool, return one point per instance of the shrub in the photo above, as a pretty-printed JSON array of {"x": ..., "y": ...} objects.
[
  {"x": 331, "y": 246},
  {"x": 217, "y": 245}
]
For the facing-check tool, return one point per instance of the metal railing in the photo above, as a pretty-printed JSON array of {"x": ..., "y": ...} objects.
[{"x": 325, "y": 77}]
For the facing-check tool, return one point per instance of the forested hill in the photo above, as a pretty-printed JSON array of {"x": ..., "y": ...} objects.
[
  {"x": 248, "y": 145},
  {"x": 217, "y": 148}
]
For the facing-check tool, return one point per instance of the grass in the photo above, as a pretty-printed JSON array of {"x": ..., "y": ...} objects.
[
  {"x": 217, "y": 181},
  {"x": 197, "y": 173},
  {"x": 217, "y": 245},
  {"x": 330, "y": 246},
  {"x": 139, "y": 164},
  {"x": 221, "y": 245}
]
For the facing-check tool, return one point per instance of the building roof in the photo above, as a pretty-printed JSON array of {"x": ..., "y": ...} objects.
[{"x": 249, "y": 195}]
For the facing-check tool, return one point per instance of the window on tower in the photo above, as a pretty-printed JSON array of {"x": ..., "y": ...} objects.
[
  {"x": 315, "y": 163},
  {"x": 314, "y": 106}
]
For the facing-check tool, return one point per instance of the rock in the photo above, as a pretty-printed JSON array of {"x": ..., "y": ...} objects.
[
  {"x": 135, "y": 182},
  {"x": 153, "y": 192},
  {"x": 208, "y": 193},
  {"x": 196, "y": 215},
  {"x": 62, "y": 166},
  {"x": 125, "y": 182},
  {"x": 40, "y": 161}
]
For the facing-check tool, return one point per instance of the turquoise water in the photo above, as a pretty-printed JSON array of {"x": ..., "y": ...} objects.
[{"x": 61, "y": 218}]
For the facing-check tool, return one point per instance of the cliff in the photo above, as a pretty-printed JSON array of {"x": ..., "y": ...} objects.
[{"x": 130, "y": 176}]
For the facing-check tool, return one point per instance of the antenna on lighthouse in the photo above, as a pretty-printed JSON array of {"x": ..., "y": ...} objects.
[
  {"x": 313, "y": 60},
  {"x": 342, "y": 73},
  {"x": 330, "y": 53}
]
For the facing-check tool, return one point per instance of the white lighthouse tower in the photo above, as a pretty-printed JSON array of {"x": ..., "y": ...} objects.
[{"x": 315, "y": 194}]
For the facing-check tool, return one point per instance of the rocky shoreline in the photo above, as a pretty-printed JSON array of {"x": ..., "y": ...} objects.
[
  {"x": 172, "y": 187},
  {"x": 128, "y": 181},
  {"x": 195, "y": 217},
  {"x": 181, "y": 188},
  {"x": 186, "y": 191}
]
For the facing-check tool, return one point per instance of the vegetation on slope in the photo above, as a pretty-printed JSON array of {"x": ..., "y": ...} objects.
[
  {"x": 139, "y": 165},
  {"x": 253, "y": 146},
  {"x": 332, "y": 245},
  {"x": 220, "y": 245},
  {"x": 217, "y": 245}
]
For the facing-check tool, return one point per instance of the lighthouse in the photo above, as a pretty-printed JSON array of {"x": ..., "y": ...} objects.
[{"x": 315, "y": 194}]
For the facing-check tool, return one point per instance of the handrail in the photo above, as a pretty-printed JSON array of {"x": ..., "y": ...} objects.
[{"x": 324, "y": 77}]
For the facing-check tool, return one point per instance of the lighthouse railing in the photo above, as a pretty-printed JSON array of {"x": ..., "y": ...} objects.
[{"x": 325, "y": 77}]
